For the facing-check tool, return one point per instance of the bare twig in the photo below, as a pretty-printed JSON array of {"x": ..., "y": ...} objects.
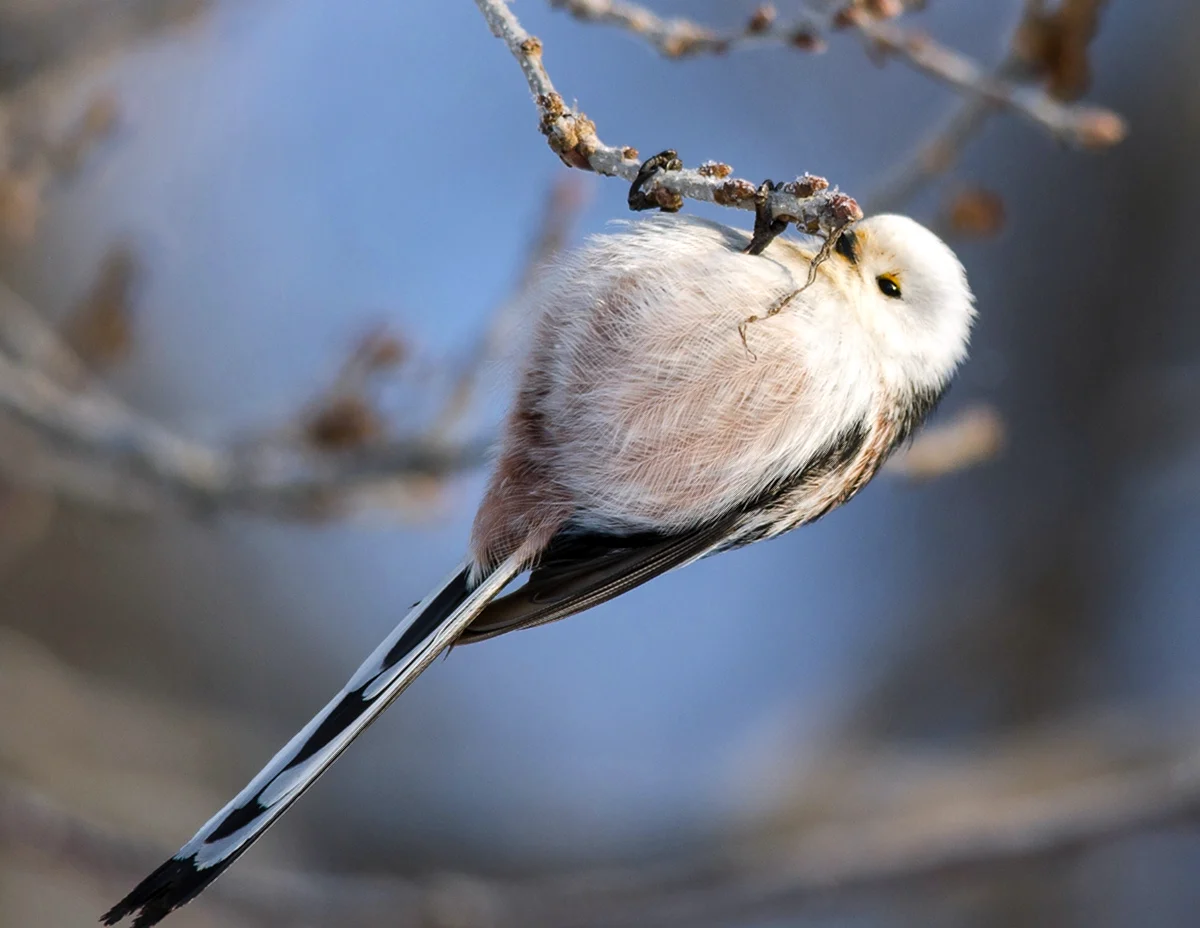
[
  {"x": 93, "y": 422},
  {"x": 26, "y": 338},
  {"x": 681, "y": 38},
  {"x": 811, "y": 203},
  {"x": 1086, "y": 126},
  {"x": 942, "y": 150},
  {"x": 1075, "y": 124},
  {"x": 276, "y": 482},
  {"x": 937, "y": 154},
  {"x": 45, "y": 386}
]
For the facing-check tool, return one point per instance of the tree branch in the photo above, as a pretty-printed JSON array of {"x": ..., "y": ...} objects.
[
  {"x": 133, "y": 459},
  {"x": 1074, "y": 124},
  {"x": 938, "y": 153},
  {"x": 942, "y": 150},
  {"x": 810, "y": 202},
  {"x": 1085, "y": 126},
  {"x": 682, "y": 38}
]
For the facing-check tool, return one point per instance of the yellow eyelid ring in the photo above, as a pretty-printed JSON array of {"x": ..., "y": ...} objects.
[{"x": 889, "y": 284}]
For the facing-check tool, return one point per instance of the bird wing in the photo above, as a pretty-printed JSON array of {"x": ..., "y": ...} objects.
[{"x": 581, "y": 570}]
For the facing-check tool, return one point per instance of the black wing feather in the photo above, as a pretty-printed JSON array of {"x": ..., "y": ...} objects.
[{"x": 581, "y": 570}]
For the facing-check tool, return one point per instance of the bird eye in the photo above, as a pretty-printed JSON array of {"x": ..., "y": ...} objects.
[{"x": 888, "y": 286}]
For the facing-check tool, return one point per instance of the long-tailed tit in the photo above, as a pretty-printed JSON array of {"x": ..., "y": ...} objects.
[{"x": 654, "y": 425}]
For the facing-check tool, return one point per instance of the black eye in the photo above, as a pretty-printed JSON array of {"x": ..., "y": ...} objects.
[{"x": 888, "y": 286}]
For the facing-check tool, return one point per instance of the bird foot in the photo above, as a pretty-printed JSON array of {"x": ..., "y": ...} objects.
[
  {"x": 766, "y": 226},
  {"x": 659, "y": 197}
]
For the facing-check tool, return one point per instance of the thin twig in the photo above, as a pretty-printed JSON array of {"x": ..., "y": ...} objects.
[
  {"x": 1074, "y": 124},
  {"x": 268, "y": 481},
  {"x": 813, "y": 205},
  {"x": 942, "y": 150},
  {"x": 682, "y": 38},
  {"x": 939, "y": 152},
  {"x": 25, "y": 336},
  {"x": 1085, "y": 126},
  {"x": 95, "y": 428},
  {"x": 91, "y": 422}
]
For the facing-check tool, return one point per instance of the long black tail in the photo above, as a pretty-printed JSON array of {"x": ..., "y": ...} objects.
[{"x": 428, "y": 629}]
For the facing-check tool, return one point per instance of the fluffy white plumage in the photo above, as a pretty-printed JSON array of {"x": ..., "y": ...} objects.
[{"x": 645, "y": 435}]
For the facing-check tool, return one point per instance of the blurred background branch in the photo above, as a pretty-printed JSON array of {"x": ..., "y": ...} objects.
[
  {"x": 966, "y": 754},
  {"x": 1049, "y": 46},
  {"x": 143, "y": 459},
  {"x": 1043, "y": 796},
  {"x": 1086, "y": 126}
]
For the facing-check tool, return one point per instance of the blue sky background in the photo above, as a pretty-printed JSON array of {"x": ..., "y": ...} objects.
[{"x": 294, "y": 173}]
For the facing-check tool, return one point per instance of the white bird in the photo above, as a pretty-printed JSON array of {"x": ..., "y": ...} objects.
[{"x": 654, "y": 425}]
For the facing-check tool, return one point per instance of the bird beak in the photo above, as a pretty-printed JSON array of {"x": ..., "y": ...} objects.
[{"x": 848, "y": 246}]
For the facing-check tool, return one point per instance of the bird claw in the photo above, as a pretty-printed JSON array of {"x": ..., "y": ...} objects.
[
  {"x": 766, "y": 226},
  {"x": 659, "y": 198}
]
